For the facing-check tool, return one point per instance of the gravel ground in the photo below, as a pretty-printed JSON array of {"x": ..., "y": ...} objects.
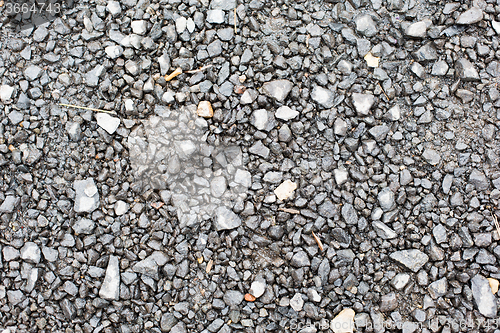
[{"x": 313, "y": 164}]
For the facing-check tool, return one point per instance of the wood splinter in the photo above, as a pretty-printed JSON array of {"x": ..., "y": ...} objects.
[{"x": 178, "y": 71}]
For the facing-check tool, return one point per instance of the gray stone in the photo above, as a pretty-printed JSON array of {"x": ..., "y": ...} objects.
[
  {"x": 388, "y": 302},
  {"x": 70, "y": 288},
  {"x": 167, "y": 321},
  {"x": 322, "y": 96},
  {"x": 340, "y": 127},
  {"x": 148, "y": 267},
  {"x": 440, "y": 68},
  {"x": 440, "y": 235},
  {"x": 447, "y": 182},
  {"x": 259, "y": 149},
  {"x": 164, "y": 62},
  {"x": 223, "y": 4},
  {"x": 277, "y": 89},
  {"x": 426, "y": 53},
  {"x": 74, "y": 131},
  {"x": 363, "y": 103},
  {"x": 121, "y": 207},
  {"x": 258, "y": 288},
  {"x": 412, "y": 259},
  {"x": 233, "y": 298},
  {"x": 386, "y": 199},
  {"x": 226, "y": 219},
  {"x": 30, "y": 252},
  {"x": 83, "y": 201},
  {"x": 400, "y": 281},
  {"x": 379, "y": 132},
  {"x": 92, "y": 77},
  {"x": 50, "y": 254},
  {"x": 341, "y": 176},
  {"x": 470, "y": 16},
  {"x": 466, "y": 70},
  {"x": 300, "y": 259},
  {"x": 485, "y": 301},
  {"x": 438, "y": 288},
  {"x": 84, "y": 226},
  {"x": 394, "y": 113},
  {"x": 366, "y": 26},
  {"x": 15, "y": 297},
  {"x": 110, "y": 288},
  {"x": 383, "y": 231},
  {"x": 431, "y": 156},
  {"x": 417, "y": 29},
  {"x": 218, "y": 186},
  {"x": 9, "y": 204},
  {"x": 114, "y": 8},
  {"x": 349, "y": 214},
  {"x": 214, "y": 49},
  {"x": 32, "y": 72},
  {"x": 479, "y": 180}
]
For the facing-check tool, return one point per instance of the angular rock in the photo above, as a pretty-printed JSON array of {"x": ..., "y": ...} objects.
[
  {"x": 148, "y": 267},
  {"x": 107, "y": 122},
  {"x": 479, "y": 180},
  {"x": 386, "y": 199},
  {"x": 417, "y": 29},
  {"x": 349, "y": 214},
  {"x": 9, "y": 204},
  {"x": 83, "y": 202},
  {"x": 438, "y": 288},
  {"x": 30, "y": 252},
  {"x": 470, "y": 16},
  {"x": 84, "y": 226},
  {"x": 285, "y": 190},
  {"x": 285, "y": 113},
  {"x": 260, "y": 119},
  {"x": 366, "y": 26},
  {"x": 323, "y": 97},
  {"x": 466, "y": 70},
  {"x": 363, "y": 103},
  {"x": 277, "y": 89},
  {"x": 258, "y": 288},
  {"x": 343, "y": 322},
  {"x": 226, "y": 219},
  {"x": 383, "y": 231},
  {"x": 412, "y": 259},
  {"x": 485, "y": 301},
  {"x": 205, "y": 109},
  {"x": 431, "y": 156},
  {"x": 110, "y": 288},
  {"x": 297, "y": 302},
  {"x": 233, "y": 298},
  {"x": 6, "y": 92}
]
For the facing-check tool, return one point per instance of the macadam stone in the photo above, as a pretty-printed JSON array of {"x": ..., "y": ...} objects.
[
  {"x": 412, "y": 259},
  {"x": 285, "y": 189},
  {"x": 343, "y": 322}
]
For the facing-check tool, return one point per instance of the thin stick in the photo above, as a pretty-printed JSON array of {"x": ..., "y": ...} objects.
[
  {"x": 289, "y": 210},
  {"x": 199, "y": 69},
  {"x": 235, "y": 31},
  {"x": 320, "y": 245},
  {"x": 496, "y": 223},
  {"x": 178, "y": 71},
  {"x": 384, "y": 91},
  {"x": 86, "y": 108},
  {"x": 209, "y": 266}
]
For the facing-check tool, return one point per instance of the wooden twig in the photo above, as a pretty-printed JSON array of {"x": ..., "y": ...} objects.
[
  {"x": 85, "y": 108},
  {"x": 178, "y": 71},
  {"x": 383, "y": 91},
  {"x": 290, "y": 210},
  {"x": 199, "y": 69},
  {"x": 496, "y": 223},
  {"x": 235, "y": 31},
  {"x": 318, "y": 241},
  {"x": 209, "y": 266}
]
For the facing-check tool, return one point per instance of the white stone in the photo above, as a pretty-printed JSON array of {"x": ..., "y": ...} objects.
[
  {"x": 343, "y": 322},
  {"x": 113, "y": 51},
  {"x": 215, "y": 16},
  {"x": 341, "y": 176},
  {"x": 114, "y": 8},
  {"x": 417, "y": 29},
  {"x": 297, "y": 302},
  {"x": 106, "y": 122},
  {"x": 121, "y": 207},
  {"x": 180, "y": 24},
  {"x": 110, "y": 288},
  {"x": 30, "y": 252},
  {"x": 190, "y": 25},
  {"x": 285, "y": 190},
  {"x": 139, "y": 27},
  {"x": 129, "y": 105},
  {"x": 394, "y": 113},
  {"x": 257, "y": 288},
  {"x": 90, "y": 189},
  {"x": 496, "y": 26},
  {"x": 286, "y": 113},
  {"x": 6, "y": 92},
  {"x": 260, "y": 119}
]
